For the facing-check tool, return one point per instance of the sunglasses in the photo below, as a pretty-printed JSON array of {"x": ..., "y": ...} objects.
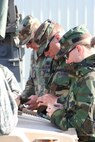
[
  {"x": 66, "y": 55},
  {"x": 47, "y": 48}
]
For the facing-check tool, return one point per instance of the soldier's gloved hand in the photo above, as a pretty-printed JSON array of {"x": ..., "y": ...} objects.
[{"x": 32, "y": 103}]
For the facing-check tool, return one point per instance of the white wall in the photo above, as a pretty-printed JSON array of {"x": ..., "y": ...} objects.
[{"x": 68, "y": 13}]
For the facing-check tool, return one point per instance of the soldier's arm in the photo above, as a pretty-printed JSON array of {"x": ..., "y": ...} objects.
[
  {"x": 14, "y": 86},
  {"x": 80, "y": 114},
  {"x": 28, "y": 91}
]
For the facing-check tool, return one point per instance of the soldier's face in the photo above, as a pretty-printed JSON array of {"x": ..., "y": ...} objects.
[
  {"x": 32, "y": 45},
  {"x": 76, "y": 55},
  {"x": 54, "y": 47}
]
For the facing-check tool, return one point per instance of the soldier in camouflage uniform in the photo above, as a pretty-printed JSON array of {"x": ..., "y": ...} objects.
[
  {"x": 59, "y": 81},
  {"x": 26, "y": 32},
  {"x": 78, "y": 107},
  {"x": 42, "y": 62},
  {"x": 42, "y": 36}
]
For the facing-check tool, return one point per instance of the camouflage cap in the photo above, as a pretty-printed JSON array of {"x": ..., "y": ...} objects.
[
  {"x": 75, "y": 36},
  {"x": 27, "y": 28},
  {"x": 43, "y": 33}
]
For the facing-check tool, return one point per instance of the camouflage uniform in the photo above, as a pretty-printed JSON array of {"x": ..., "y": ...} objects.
[
  {"x": 44, "y": 72},
  {"x": 43, "y": 75},
  {"x": 59, "y": 82},
  {"x": 26, "y": 32},
  {"x": 40, "y": 71},
  {"x": 36, "y": 75},
  {"x": 78, "y": 106},
  {"x": 9, "y": 91},
  {"x": 42, "y": 38},
  {"x": 12, "y": 82}
]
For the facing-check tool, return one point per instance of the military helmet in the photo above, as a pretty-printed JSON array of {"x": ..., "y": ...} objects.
[
  {"x": 75, "y": 36},
  {"x": 27, "y": 28}
]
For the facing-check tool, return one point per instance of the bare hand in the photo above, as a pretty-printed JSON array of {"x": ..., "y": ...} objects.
[
  {"x": 46, "y": 99},
  {"x": 32, "y": 103}
]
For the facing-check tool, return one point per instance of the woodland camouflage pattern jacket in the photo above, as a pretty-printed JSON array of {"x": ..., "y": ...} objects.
[{"x": 78, "y": 106}]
